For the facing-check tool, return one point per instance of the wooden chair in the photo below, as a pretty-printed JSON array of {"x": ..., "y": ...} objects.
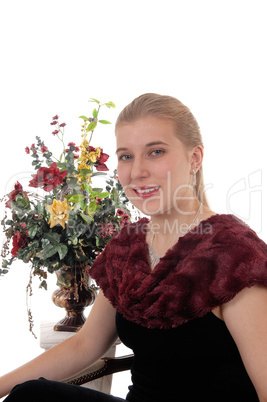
[{"x": 104, "y": 367}]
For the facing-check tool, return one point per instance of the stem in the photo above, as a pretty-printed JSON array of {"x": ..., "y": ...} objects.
[
  {"x": 99, "y": 106},
  {"x": 61, "y": 139}
]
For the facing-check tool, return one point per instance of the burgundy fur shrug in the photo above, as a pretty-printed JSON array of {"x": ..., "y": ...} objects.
[{"x": 205, "y": 268}]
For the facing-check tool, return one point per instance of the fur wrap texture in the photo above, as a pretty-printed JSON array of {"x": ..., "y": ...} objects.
[{"x": 204, "y": 269}]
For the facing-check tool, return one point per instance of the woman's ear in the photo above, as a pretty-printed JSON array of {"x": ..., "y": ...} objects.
[{"x": 197, "y": 157}]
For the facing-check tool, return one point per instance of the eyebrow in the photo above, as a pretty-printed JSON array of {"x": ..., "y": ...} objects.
[{"x": 150, "y": 144}]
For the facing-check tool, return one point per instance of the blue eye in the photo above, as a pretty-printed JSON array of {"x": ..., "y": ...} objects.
[
  {"x": 157, "y": 152},
  {"x": 124, "y": 157}
]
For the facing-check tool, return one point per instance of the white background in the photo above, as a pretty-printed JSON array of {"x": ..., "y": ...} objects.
[{"x": 57, "y": 54}]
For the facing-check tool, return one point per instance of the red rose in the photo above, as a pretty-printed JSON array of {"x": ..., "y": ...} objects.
[
  {"x": 19, "y": 240},
  {"x": 27, "y": 150},
  {"x": 48, "y": 178},
  {"x": 12, "y": 196}
]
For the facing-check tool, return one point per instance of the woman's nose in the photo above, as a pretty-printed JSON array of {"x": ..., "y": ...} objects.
[{"x": 139, "y": 169}]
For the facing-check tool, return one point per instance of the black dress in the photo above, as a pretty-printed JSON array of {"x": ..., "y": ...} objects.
[{"x": 197, "y": 361}]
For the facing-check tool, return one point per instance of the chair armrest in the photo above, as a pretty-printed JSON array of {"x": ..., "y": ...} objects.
[{"x": 103, "y": 367}]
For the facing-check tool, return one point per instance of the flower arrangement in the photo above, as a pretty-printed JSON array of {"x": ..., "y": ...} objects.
[{"x": 72, "y": 221}]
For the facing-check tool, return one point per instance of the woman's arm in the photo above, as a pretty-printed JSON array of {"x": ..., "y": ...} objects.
[
  {"x": 246, "y": 318},
  {"x": 72, "y": 355}
]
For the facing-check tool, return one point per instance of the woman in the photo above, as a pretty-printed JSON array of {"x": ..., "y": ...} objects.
[{"x": 185, "y": 289}]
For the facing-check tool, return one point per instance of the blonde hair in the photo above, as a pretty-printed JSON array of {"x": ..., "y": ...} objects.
[{"x": 170, "y": 108}]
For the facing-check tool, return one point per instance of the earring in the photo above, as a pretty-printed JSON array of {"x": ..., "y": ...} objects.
[{"x": 194, "y": 178}]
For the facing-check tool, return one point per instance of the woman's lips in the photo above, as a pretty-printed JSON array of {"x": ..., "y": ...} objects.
[{"x": 146, "y": 192}]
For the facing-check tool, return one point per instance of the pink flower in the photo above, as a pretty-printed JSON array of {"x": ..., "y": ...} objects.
[
  {"x": 48, "y": 178},
  {"x": 55, "y": 117},
  {"x": 55, "y": 132},
  {"x": 120, "y": 212},
  {"x": 105, "y": 229},
  {"x": 62, "y": 125},
  {"x": 44, "y": 149},
  {"x": 102, "y": 229},
  {"x": 32, "y": 146},
  {"x": 53, "y": 123},
  {"x": 77, "y": 149},
  {"x": 125, "y": 218},
  {"x": 27, "y": 150}
]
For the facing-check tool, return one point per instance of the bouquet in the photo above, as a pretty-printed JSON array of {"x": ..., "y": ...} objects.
[{"x": 70, "y": 223}]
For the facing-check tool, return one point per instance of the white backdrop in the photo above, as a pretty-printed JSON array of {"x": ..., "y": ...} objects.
[{"x": 57, "y": 54}]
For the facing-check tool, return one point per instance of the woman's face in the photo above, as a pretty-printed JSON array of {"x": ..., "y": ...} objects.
[{"x": 154, "y": 167}]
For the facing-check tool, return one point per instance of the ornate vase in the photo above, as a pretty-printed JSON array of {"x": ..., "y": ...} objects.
[{"x": 74, "y": 294}]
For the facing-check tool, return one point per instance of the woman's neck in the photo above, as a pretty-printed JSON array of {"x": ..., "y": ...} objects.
[{"x": 168, "y": 228}]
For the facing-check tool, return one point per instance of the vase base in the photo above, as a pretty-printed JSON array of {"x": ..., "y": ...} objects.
[{"x": 70, "y": 324}]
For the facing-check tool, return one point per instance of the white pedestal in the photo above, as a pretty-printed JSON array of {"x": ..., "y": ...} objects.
[{"x": 50, "y": 338}]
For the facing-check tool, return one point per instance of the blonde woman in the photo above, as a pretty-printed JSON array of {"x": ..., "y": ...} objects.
[{"x": 184, "y": 288}]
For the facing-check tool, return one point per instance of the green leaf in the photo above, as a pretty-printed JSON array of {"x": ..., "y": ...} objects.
[
  {"x": 62, "y": 250},
  {"x": 86, "y": 187},
  {"x": 84, "y": 118},
  {"x": 104, "y": 121},
  {"x": 103, "y": 195},
  {"x": 32, "y": 231},
  {"x": 72, "y": 182},
  {"x": 94, "y": 100},
  {"x": 76, "y": 198},
  {"x": 91, "y": 126},
  {"x": 50, "y": 250},
  {"x": 95, "y": 113},
  {"x": 87, "y": 218},
  {"x": 53, "y": 238},
  {"x": 83, "y": 205},
  {"x": 64, "y": 280},
  {"x": 92, "y": 207},
  {"x": 110, "y": 104},
  {"x": 43, "y": 285},
  {"x": 114, "y": 195},
  {"x": 85, "y": 172},
  {"x": 98, "y": 174}
]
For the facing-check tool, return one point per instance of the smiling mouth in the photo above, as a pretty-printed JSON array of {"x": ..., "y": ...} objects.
[{"x": 146, "y": 192}]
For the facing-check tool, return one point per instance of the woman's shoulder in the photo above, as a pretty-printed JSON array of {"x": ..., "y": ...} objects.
[{"x": 229, "y": 223}]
